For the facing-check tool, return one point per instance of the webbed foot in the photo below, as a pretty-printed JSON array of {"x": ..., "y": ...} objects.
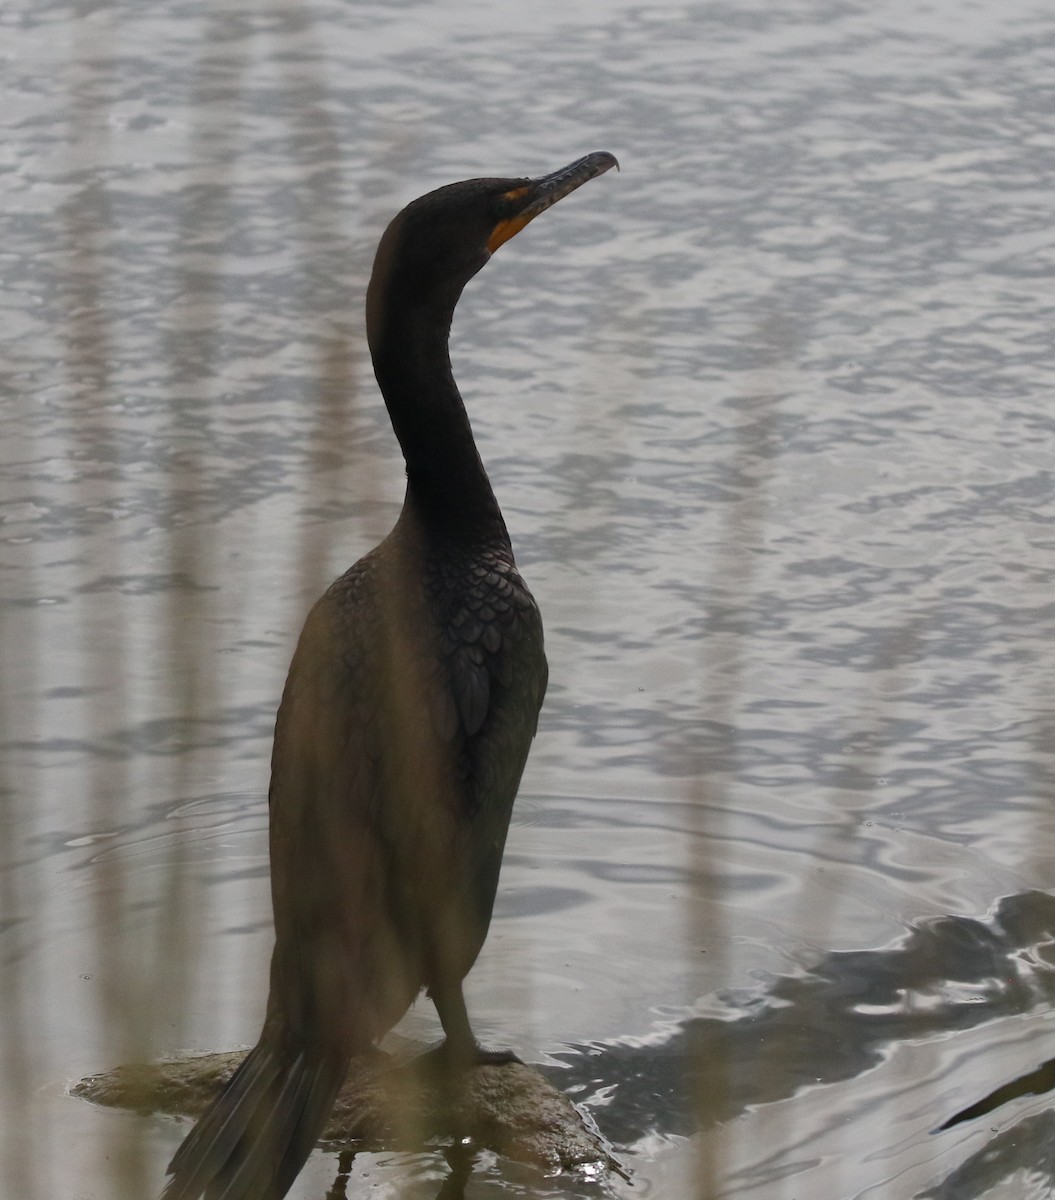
[{"x": 452, "y": 1056}]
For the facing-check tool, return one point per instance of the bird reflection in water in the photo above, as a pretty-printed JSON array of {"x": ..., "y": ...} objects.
[
  {"x": 460, "y": 1156},
  {"x": 835, "y": 1022}
]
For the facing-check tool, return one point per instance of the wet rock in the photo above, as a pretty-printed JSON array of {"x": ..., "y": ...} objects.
[{"x": 391, "y": 1101}]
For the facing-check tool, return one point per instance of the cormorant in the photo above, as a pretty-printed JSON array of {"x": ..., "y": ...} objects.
[{"x": 404, "y": 726}]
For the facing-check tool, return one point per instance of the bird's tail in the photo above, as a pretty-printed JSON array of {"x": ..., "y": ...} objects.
[{"x": 254, "y": 1138}]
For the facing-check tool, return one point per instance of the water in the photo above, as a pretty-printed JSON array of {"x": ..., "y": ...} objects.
[{"x": 769, "y": 416}]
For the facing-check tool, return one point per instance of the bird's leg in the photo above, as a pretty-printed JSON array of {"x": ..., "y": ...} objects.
[{"x": 460, "y": 1048}]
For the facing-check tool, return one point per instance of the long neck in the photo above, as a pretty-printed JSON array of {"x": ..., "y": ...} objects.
[{"x": 445, "y": 475}]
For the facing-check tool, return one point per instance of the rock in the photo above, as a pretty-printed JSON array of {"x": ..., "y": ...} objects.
[{"x": 391, "y": 1101}]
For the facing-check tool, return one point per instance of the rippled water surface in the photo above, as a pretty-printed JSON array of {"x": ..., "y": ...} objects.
[{"x": 770, "y": 415}]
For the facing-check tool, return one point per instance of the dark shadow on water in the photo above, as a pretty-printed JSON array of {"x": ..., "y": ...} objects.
[
  {"x": 832, "y": 1023},
  {"x": 1026, "y": 1150},
  {"x": 1033, "y": 1083}
]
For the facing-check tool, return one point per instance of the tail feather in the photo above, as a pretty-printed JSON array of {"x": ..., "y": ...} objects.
[
  {"x": 215, "y": 1137},
  {"x": 253, "y": 1140},
  {"x": 314, "y": 1112}
]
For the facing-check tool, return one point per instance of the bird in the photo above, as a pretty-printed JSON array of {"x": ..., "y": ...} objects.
[{"x": 405, "y": 722}]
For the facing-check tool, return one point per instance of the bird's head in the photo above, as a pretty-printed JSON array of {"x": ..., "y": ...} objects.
[{"x": 438, "y": 242}]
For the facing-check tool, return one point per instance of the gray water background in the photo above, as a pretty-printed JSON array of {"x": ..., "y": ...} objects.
[{"x": 770, "y": 416}]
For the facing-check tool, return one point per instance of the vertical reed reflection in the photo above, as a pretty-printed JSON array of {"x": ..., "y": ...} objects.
[
  {"x": 323, "y": 236},
  {"x": 723, "y": 690},
  {"x": 21, "y": 1135},
  {"x": 91, "y": 346},
  {"x": 192, "y": 360},
  {"x": 720, "y": 700}
]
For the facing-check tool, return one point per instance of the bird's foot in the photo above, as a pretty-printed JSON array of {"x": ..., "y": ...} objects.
[
  {"x": 451, "y": 1057},
  {"x": 492, "y": 1056}
]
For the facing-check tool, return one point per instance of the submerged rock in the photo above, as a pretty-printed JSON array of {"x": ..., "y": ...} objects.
[{"x": 391, "y": 1101}]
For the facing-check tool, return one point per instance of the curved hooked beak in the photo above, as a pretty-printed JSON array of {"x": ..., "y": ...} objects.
[{"x": 537, "y": 195}]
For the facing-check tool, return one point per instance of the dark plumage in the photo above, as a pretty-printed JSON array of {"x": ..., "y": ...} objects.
[{"x": 404, "y": 726}]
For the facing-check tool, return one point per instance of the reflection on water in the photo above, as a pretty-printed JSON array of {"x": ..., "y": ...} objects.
[
  {"x": 770, "y": 421},
  {"x": 1032, "y": 1083},
  {"x": 1021, "y": 1160},
  {"x": 833, "y": 1022}
]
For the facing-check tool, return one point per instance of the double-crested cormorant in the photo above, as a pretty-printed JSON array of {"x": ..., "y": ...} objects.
[{"x": 403, "y": 730}]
